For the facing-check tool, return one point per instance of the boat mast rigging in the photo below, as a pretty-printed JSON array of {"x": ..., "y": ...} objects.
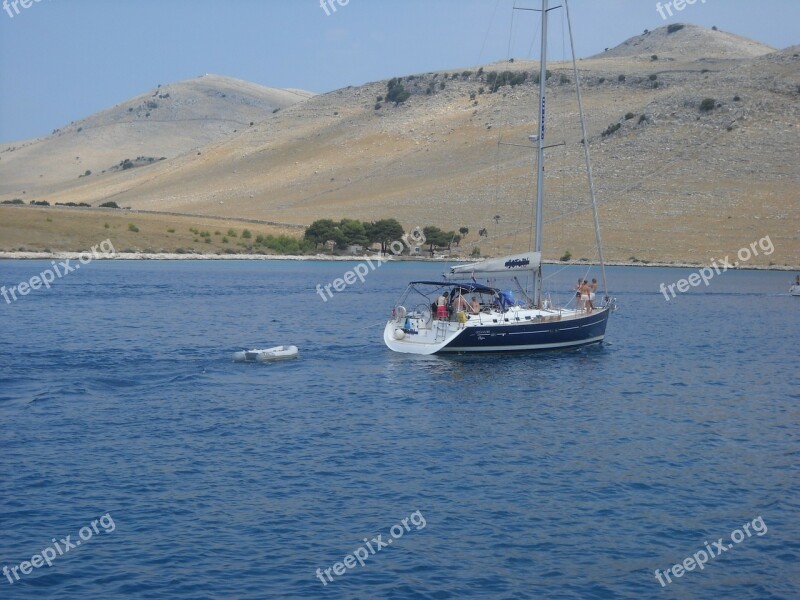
[
  {"x": 540, "y": 148},
  {"x": 586, "y": 153}
]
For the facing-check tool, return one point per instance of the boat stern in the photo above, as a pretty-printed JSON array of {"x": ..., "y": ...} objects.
[{"x": 415, "y": 336}]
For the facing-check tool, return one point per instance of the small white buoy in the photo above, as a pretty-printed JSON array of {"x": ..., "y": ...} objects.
[{"x": 399, "y": 334}]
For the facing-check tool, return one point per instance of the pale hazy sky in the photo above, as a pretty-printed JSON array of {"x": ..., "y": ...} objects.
[{"x": 61, "y": 60}]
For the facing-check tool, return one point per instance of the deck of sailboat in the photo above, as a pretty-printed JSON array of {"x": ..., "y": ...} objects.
[
  {"x": 511, "y": 317},
  {"x": 519, "y": 314}
]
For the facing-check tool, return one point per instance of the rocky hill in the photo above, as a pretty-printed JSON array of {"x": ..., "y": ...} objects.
[
  {"x": 160, "y": 124},
  {"x": 695, "y": 154},
  {"x": 690, "y": 42}
]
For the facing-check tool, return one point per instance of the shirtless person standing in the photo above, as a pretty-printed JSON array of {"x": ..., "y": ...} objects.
[{"x": 585, "y": 302}]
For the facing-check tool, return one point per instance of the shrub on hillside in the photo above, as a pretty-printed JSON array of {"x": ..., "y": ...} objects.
[
  {"x": 397, "y": 93},
  {"x": 497, "y": 80},
  {"x": 708, "y": 104}
]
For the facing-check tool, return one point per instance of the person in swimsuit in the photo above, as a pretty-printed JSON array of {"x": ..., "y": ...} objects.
[
  {"x": 584, "y": 291},
  {"x": 475, "y": 306},
  {"x": 592, "y": 293},
  {"x": 441, "y": 306}
]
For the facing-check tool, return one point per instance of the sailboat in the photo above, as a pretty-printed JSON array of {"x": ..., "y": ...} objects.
[{"x": 458, "y": 314}]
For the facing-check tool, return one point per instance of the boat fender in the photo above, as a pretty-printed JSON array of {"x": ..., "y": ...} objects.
[{"x": 399, "y": 334}]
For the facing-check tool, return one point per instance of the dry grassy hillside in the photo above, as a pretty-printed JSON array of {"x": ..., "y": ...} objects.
[
  {"x": 164, "y": 122},
  {"x": 675, "y": 182},
  {"x": 53, "y": 229}
]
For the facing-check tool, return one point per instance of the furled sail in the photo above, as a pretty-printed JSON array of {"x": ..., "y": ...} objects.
[{"x": 514, "y": 263}]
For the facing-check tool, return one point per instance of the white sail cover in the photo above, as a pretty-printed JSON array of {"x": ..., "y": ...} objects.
[{"x": 514, "y": 263}]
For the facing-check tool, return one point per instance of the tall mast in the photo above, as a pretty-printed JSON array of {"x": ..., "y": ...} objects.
[{"x": 537, "y": 291}]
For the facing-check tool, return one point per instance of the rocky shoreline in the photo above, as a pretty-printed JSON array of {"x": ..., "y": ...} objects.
[{"x": 328, "y": 257}]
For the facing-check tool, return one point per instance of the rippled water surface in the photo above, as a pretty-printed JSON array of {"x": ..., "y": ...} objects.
[{"x": 560, "y": 475}]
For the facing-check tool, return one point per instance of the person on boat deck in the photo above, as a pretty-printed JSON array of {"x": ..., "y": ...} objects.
[
  {"x": 475, "y": 306},
  {"x": 459, "y": 304},
  {"x": 441, "y": 306},
  {"x": 592, "y": 292},
  {"x": 578, "y": 293},
  {"x": 585, "y": 302}
]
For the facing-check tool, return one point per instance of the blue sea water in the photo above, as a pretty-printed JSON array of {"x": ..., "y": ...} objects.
[{"x": 569, "y": 474}]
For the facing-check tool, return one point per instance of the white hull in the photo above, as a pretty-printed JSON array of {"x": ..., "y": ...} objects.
[{"x": 795, "y": 290}]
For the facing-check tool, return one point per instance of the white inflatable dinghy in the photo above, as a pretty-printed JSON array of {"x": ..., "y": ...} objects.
[{"x": 276, "y": 353}]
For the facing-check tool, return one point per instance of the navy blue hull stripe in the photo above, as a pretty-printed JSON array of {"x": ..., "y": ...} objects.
[{"x": 528, "y": 336}]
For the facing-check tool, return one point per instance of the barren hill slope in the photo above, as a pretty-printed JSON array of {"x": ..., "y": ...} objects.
[
  {"x": 675, "y": 182},
  {"x": 164, "y": 122},
  {"x": 688, "y": 42}
]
